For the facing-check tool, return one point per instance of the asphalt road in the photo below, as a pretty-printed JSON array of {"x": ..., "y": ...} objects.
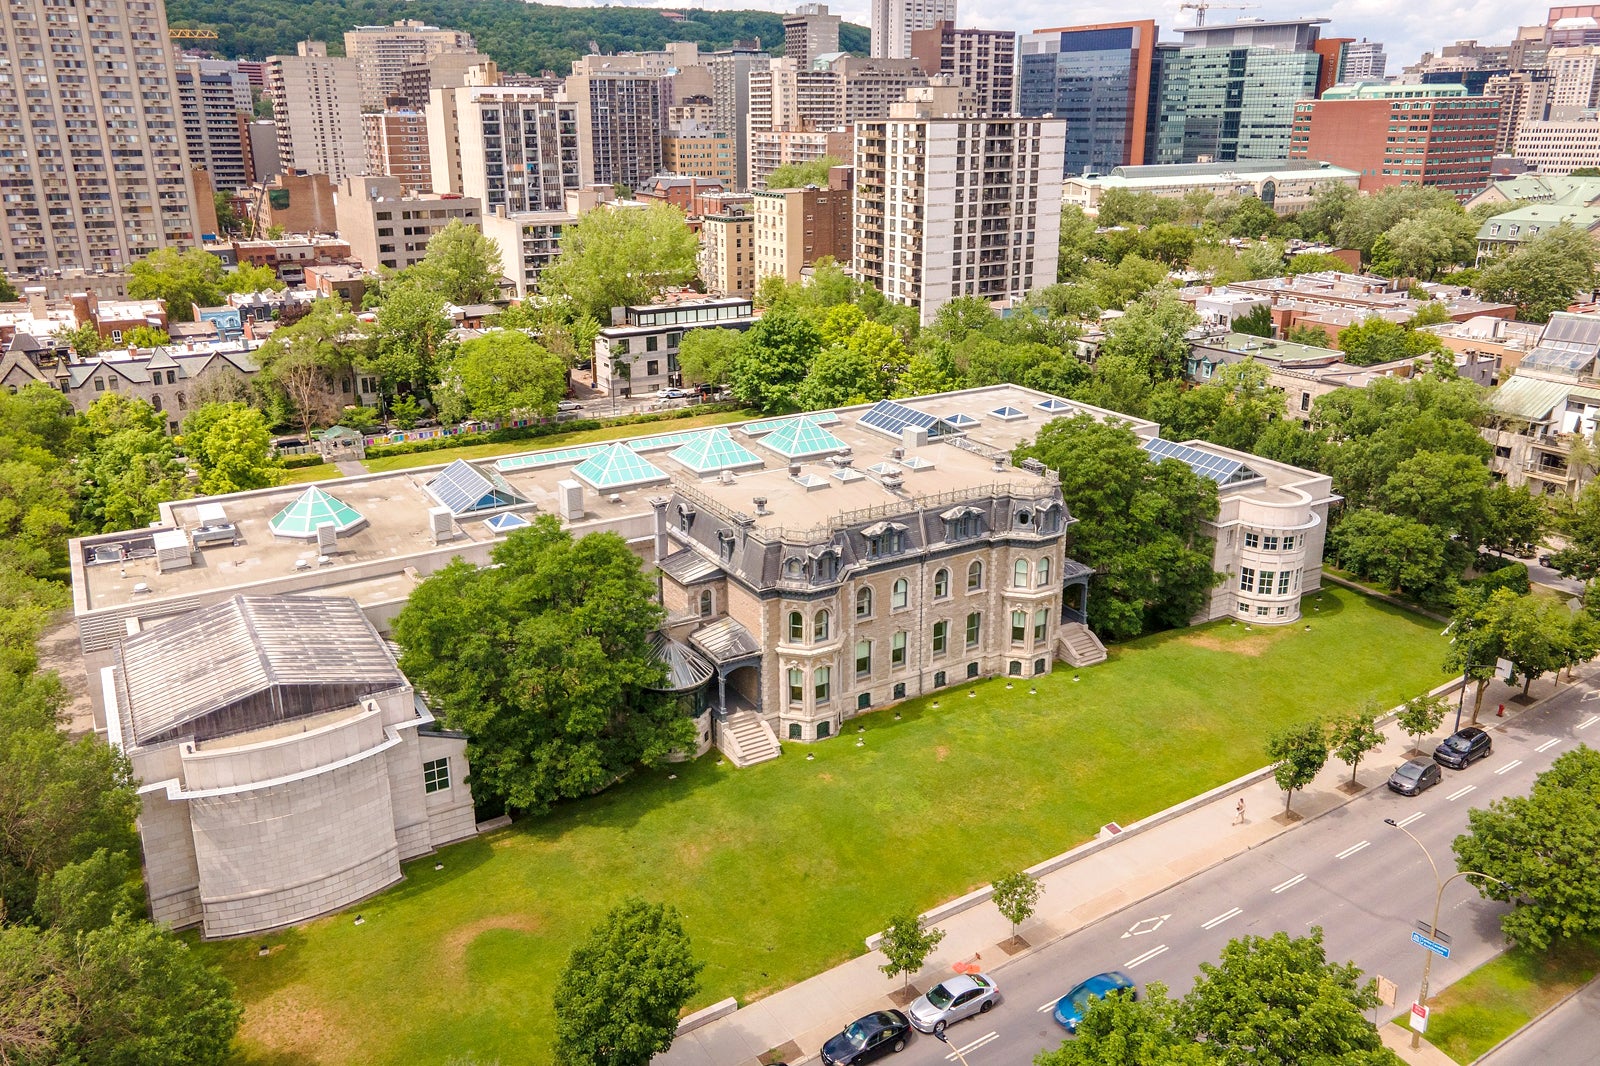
[
  {"x": 1365, "y": 883},
  {"x": 1569, "y": 1035}
]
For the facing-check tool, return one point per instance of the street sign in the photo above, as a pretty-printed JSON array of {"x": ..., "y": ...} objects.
[
  {"x": 1386, "y": 991},
  {"x": 1419, "y": 1017},
  {"x": 1428, "y": 930},
  {"x": 1432, "y": 945}
]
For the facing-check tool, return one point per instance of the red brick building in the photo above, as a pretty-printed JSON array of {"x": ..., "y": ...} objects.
[{"x": 1401, "y": 135}]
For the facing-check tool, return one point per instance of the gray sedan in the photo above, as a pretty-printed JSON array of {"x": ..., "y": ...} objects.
[{"x": 949, "y": 1001}]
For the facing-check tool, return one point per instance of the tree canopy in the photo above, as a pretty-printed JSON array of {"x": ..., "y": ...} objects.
[
  {"x": 620, "y": 258},
  {"x": 799, "y": 175},
  {"x": 193, "y": 278},
  {"x": 231, "y": 448},
  {"x": 501, "y": 374},
  {"x": 1544, "y": 275}
]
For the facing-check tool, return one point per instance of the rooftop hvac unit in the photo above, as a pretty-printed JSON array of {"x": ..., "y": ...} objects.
[
  {"x": 569, "y": 499},
  {"x": 441, "y": 524},
  {"x": 327, "y": 538}
]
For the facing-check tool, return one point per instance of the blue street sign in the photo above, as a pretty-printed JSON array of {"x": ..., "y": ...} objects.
[{"x": 1432, "y": 945}]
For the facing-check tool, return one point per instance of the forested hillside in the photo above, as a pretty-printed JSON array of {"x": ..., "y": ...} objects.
[{"x": 520, "y": 37}]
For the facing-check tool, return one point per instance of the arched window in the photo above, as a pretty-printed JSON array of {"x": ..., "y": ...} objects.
[
  {"x": 819, "y": 625},
  {"x": 941, "y": 584},
  {"x": 181, "y": 402},
  {"x": 975, "y": 576},
  {"x": 797, "y": 627},
  {"x": 705, "y": 603},
  {"x": 1019, "y": 574},
  {"x": 900, "y": 594},
  {"x": 1044, "y": 571},
  {"x": 793, "y": 568},
  {"x": 863, "y": 603}
]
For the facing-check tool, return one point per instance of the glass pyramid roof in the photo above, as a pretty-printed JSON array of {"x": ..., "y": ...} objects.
[
  {"x": 800, "y": 437},
  {"x": 821, "y": 418},
  {"x": 313, "y": 508},
  {"x": 618, "y": 467},
  {"x": 713, "y": 450},
  {"x": 507, "y": 521},
  {"x": 465, "y": 489}
]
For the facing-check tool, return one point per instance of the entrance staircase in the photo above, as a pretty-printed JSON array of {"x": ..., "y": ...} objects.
[
  {"x": 1079, "y": 646},
  {"x": 746, "y": 739}
]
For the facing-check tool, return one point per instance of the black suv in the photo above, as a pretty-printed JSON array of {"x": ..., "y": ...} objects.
[
  {"x": 867, "y": 1038},
  {"x": 1462, "y": 748}
]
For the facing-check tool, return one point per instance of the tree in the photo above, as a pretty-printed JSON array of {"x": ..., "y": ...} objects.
[
  {"x": 308, "y": 360},
  {"x": 708, "y": 356},
  {"x": 799, "y": 175},
  {"x": 461, "y": 264},
  {"x": 1314, "y": 336},
  {"x": 1544, "y": 275},
  {"x": 1120, "y": 1030},
  {"x": 8, "y": 292},
  {"x": 617, "y": 1002},
  {"x": 84, "y": 339},
  {"x": 501, "y": 374},
  {"x": 1420, "y": 716},
  {"x": 146, "y": 337},
  {"x": 227, "y": 218},
  {"x": 1015, "y": 896},
  {"x": 1152, "y": 332},
  {"x": 247, "y": 277},
  {"x": 617, "y": 258},
  {"x": 1352, "y": 736},
  {"x": 1397, "y": 553},
  {"x": 1315, "y": 263},
  {"x": 1530, "y": 633},
  {"x": 1579, "y": 522},
  {"x": 127, "y": 464},
  {"x": 1257, "y": 323},
  {"x": 841, "y": 375},
  {"x": 777, "y": 355},
  {"x": 1545, "y": 846},
  {"x": 1377, "y": 340},
  {"x": 545, "y": 661},
  {"x": 184, "y": 280},
  {"x": 1298, "y": 754},
  {"x": 1422, "y": 245},
  {"x": 1512, "y": 516},
  {"x": 1475, "y": 643},
  {"x": 1116, "y": 285},
  {"x": 410, "y": 337},
  {"x": 1444, "y": 491},
  {"x": 906, "y": 945},
  {"x": 231, "y": 448}
]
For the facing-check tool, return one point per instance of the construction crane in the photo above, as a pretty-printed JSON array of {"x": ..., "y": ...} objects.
[
  {"x": 1200, "y": 7},
  {"x": 177, "y": 33}
]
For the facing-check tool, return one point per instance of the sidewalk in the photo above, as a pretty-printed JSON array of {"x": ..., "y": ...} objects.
[{"x": 1143, "y": 859}]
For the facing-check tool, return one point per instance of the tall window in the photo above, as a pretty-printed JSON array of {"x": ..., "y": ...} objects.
[
  {"x": 863, "y": 658},
  {"x": 705, "y": 603},
  {"x": 436, "y": 775},
  {"x": 974, "y": 576},
  {"x": 863, "y": 603},
  {"x": 897, "y": 650},
  {"x": 899, "y": 596},
  {"x": 1019, "y": 626},
  {"x": 1283, "y": 582},
  {"x": 797, "y": 686},
  {"x": 974, "y": 628},
  {"x": 1264, "y": 582},
  {"x": 820, "y": 625},
  {"x": 1019, "y": 574},
  {"x": 1247, "y": 579},
  {"x": 941, "y": 584},
  {"x": 1041, "y": 622},
  {"x": 821, "y": 683},
  {"x": 941, "y": 637},
  {"x": 1044, "y": 572},
  {"x": 797, "y": 627}
]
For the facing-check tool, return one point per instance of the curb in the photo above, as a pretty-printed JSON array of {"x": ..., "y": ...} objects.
[{"x": 706, "y": 1015}]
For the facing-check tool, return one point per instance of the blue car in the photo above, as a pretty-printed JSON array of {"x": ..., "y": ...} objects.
[{"x": 1071, "y": 1007}]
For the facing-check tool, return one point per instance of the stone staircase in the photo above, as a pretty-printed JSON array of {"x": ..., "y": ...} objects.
[
  {"x": 746, "y": 739},
  {"x": 1078, "y": 646}
]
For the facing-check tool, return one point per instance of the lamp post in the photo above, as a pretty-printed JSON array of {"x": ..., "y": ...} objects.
[
  {"x": 943, "y": 1039},
  {"x": 1433, "y": 926}
]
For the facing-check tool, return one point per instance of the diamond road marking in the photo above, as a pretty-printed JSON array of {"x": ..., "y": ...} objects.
[{"x": 1146, "y": 925}]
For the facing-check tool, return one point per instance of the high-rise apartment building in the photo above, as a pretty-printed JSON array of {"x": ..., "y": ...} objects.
[
  {"x": 796, "y": 227},
  {"x": 1101, "y": 79},
  {"x": 1559, "y": 146},
  {"x": 93, "y": 173},
  {"x": 771, "y": 149},
  {"x": 397, "y": 147},
  {"x": 1435, "y": 135},
  {"x": 1364, "y": 60},
  {"x": 519, "y": 148},
  {"x": 809, "y": 33},
  {"x": 529, "y": 241},
  {"x": 316, "y": 104},
  {"x": 1229, "y": 91},
  {"x": 214, "y": 101},
  {"x": 730, "y": 98},
  {"x": 383, "y": 52},
  {"x": 1524, "y": 97},
  {"x": 727, "y": 253},
  {"x": 444, "y": 71},
  {"x": 984, "y": 62},
  {"x": 894, "y": 21},
  {"x": 950, "y": 205},
  {"x": 622, "y": 106},
  {"x": 869, "y": 86},
  {"x": 1574, "y": 80},
  {"x": 787, "y": 96},
  {"x": 695, "y": 150},
  {"x": 389, "y": 227}
]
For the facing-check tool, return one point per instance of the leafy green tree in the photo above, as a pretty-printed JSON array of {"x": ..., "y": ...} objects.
[
  {"x": 776, "y": 357},
  {"x": 1152, "y": 332},
  {"x": 1139, "y": 524},
  {"x": 1076, "y": 243},
  {"x": 1445, "y": 491},
  {"x": 617, "y": 1002},
  {"x": 127, "y": 464},
  {"x": 1396, "y": 553},
  {"x": 499, "y": 375},
  {"x": 1257, "y": 323},
  {"x": 1423, "y": 245},
  {"x": 1167, "y": 242},
  {"x": 1298, "y": 754},
  {"x": 1420, "y": 716},
  {"x": 1376, "y": 340},
  {"x": 1120, "y": 1030},
  {"x": 1015, "y": 896},
  {"x": 906, "y": 945},
  {"x": 231, "y": 448},
  {"x": 410, "y": 338},
  {"x": 1241, "y": 216},
  {"x": 1315, "y": 263},
  {"x": 462, "y": 265},
  {"x": 1579, "y": 522},
  {"x": 799, "y": 175},
  {"x": 545, "y": 662},
  {"x": 617, "y": 258},
  {"x": 1512, "y": 516},
  {"x": 1545, "y": 846},
  {"x": 184, "y": 280},
  {"x": 840, "y": 375},
  {"x": 36, "y": 481},
  {"x": 246, "y": 277},
  {"x": 1353, "y": 735},
  {"x": 307, "y": 361},
  {"x": 1543, "y": 275},
  {"x": 1315, "y": 336},
  {"x": 1475, "y": 643},
  {"x": 227, "y": 218},
  {"x": 1122, "y": 207},
  {"x": 708, "y": 356},
  {"x": 146, "y": 337},
  {"x": 1531, "y": 633},
  {"x": 84, "y": 339},
  {"x": 931, "y": 369},
  {"x": 8, "y": 292},
  {"x": 1366, "y": 218},
  {"x": 1116, "y": 286}
]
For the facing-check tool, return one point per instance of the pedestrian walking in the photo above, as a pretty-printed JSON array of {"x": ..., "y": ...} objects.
[{"x": 1239, "y": 812}]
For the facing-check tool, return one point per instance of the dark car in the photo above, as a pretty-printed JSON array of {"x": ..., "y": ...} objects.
[
  {"x": 1460, "y": 749},
  {"x": 1071, "y": 1007},
  {"x": 1415, "y": 776},
  {"x": 1544, "y": 560},
  {"x": 868, "y": 1038}
]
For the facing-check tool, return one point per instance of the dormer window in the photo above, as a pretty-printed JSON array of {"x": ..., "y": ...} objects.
[
  {"x": 962, "y": 523},
  {"x": 725, "y": 544},
  {"x": 1050, "y": 519},
  {"x": 685, "y": 518},
  {"x": 885, "y": 539},
  {"x": 825, "y": 566},
  {"x": 793, "y": 569}
]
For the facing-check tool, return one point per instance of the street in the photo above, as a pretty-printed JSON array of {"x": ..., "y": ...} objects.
[{"x": 1364, "y": 882}]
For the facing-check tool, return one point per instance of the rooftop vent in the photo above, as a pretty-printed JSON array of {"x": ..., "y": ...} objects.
[
  {"x": 892, "y": 480},
  {"x": 1033, "y": 466},
  {"x": 794, "y": 469},
  {"x": 897, "y": 453},
  {"x": 727, "y": 477},
  {"x": 761, "y": 505}
]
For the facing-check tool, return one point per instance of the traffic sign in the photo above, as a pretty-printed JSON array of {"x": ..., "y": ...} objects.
[
  {"x": 1432, "y": 933},
  {"x": 1432, "y": 945},
  {"x": 1419, "y": 1017}
]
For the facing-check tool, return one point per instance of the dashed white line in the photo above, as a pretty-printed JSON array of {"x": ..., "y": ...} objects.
[
  {"x": 1047, "y": 1006},
  {"x": 1547, "y": 745},
  {"x": 1512, "y": 765},
  {"x": 1146, "y": 957},
  {"x": 1591, "y": 720},
  {"x": 982, "y": 1040},
  {"x": 1219, "y": 919},
  {"x": 1295, "y": 880},
  {"x": 1408, "y": 819},
  {"x": 1458, "y": 793},
  {"x": 1347, "y": 852}
]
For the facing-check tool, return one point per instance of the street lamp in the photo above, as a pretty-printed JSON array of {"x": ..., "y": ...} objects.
[
  {"x": 939, "y": 1034},
  {"x": 1433, "y": 927}
]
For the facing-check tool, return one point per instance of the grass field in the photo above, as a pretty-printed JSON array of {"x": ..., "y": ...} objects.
[
  {"x": 782, "y": 869},
  {"x": 304, "y": 474},
  {"x": 555, "y": 440},
  {"x": 1497, "y": 999}
]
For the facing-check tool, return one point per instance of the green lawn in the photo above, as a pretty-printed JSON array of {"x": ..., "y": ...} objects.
[
  {"x": 1497, "y": 999},
  {"x": 555, "y": 440},
  {"x": 782, "y": 869},
  {"x": 302, "y": 474}
]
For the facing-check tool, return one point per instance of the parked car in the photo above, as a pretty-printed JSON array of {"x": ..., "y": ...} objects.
[
  {"x": 868, "y": 1038},
  {"x": 949, "y": 1001},
  {"x": 569, "y": 405},
  {"x": 1544, "y": 559},
  {"x": 1461, "y": 748},
  {"x": 678, "y": 394},
  {"x": 1071, "y": 1007},
  {"x": 1415, "y": 776}
]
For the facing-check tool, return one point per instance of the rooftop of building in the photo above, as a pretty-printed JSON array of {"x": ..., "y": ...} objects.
[
  {"x": 1211, "y": 173},
  {"x": 1530, "y": 220},
  {"x": 1275, "y": 350},
  {"x": 1386, "y": 90}
]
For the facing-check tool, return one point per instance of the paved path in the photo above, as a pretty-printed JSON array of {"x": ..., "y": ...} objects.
[{"x": 1158, "y": 861}]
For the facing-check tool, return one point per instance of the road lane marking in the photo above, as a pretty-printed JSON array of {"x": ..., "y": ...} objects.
[
  {"x": 1408, "y": 819},
  {"x": 1347, "y": 852},
  {"x": 982, "y": 1040},
  {"x": 1512, "y": 765},
  {"x": 1047, "y": 1006},
  {"x": 1589, "y": 721},
  {"x": 1219, "y": 919},
  {"x": 1146, "y": 925},
  {"x": 1458, "y": 793},
  {"x": 1146, "y": 957},
  {"x": 1547, "y": 745},
  {"x": 1295, "y": 880}
]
